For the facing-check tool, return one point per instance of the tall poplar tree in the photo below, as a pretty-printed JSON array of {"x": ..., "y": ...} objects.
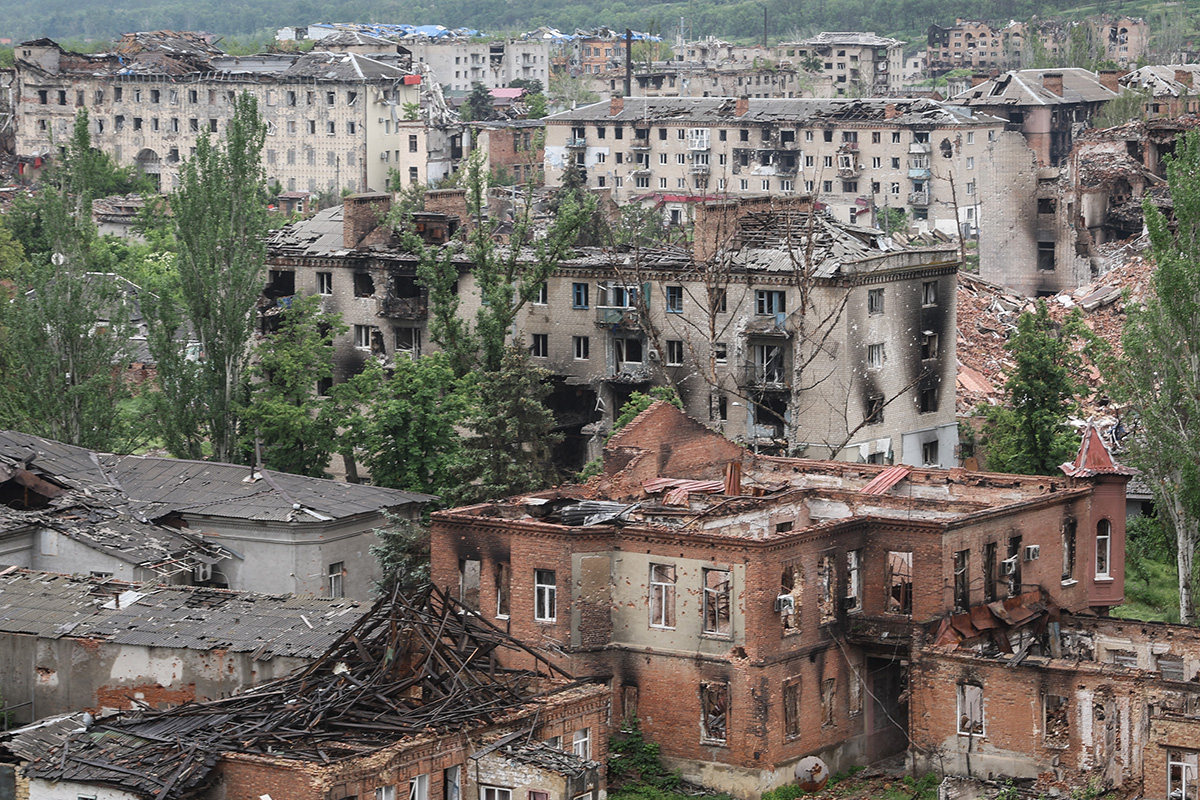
[
  {"x": 220, "y": 220},
  {"x": 1159, "y": 372}
]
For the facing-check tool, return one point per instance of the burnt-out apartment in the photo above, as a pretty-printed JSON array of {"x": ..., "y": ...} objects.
[{"x": 754, "y": 610}]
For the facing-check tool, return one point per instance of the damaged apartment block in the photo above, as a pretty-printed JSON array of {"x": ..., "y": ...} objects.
[
  {"x": 752, "y": 610},
  {"x": 414, "y": 699}
]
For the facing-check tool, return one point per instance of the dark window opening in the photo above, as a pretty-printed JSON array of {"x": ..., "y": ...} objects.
[
  {"x": 714, "y": 711},
  {"x": 899, "y": 582},
  {"x": 364, "y": 285}
]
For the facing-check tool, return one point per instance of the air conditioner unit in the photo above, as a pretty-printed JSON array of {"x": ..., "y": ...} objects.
[
  {"x": 383, "y": 156},
  {"x": 202, "y": 572},
  {"x": 1008, "y": 566},
  {"x": 653, "y": 354},
  {"x": 1033, "y": 552},
  {"x": 785, "y": 604}
]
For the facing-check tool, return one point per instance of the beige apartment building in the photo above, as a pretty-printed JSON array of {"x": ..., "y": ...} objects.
[
  {"x": 856, "y": 157},
  {"x": 863, "y": 369},
  {"x": 335, "y": 120},
  {"x": 847, "y": 63}
]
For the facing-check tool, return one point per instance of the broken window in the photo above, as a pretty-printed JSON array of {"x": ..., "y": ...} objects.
[
  {"x": 468, "y": 582},
  {"x": 364, "y": 284},
  {"x": 929, "y": 345},
  {"x": 962, "y": 580},
  {"x": 825, "y": 574},
  {"x": 629, "y": 704},
  {"x": 768, "y": 302},
  {"x": 408, "y": 341},
  {"x": 662, "y": 595},
  {"x": 929, "y": 293},
  {"x": 1182, "y": 775},
  {"x": 1171, "y": 668},
  {"x": 1103, "y": 548},
  {"x": 970, "y": 709},
  {"x": 875, "y": 301},
  {"x": 503, "y": 586},
  {"x": 875, "y": 356},
  {"x": 874, "y": 415},
  {"x": 364, "y": 336},
  {"x": 1068, "y": 548},
  {"x": 899, "y": 582},
  {"x": 927, "y": 401},
  {"x": 1055, "y": 720},
  {"x": 716, "y": 601},
  {"x": 989, "y": 572},
  {"x": 418, "y": 787},
  {"x": 1045, "y": 256},
  {"x": 1123, "y": 658},
  {"x": 853, "y": 580},
  {"x": 385, "y": 793},
  {"x": 336, "y": 576},
  {"x": 545, "y": 595},
  {"x": 494, "y": 793},
  {"x": 791, "y": 708},
  {"x": 787, "y": 603},
  {"x": 1011, "y": 566},
  {"x": 828, "y": 694},
  {"x": 627, "y": 349},
  {"x": 581, "y": 744},
  {"x": 714, "y": 712},
  {"x": 768, "y": 364},
  {"x": 855, "y": 703}
]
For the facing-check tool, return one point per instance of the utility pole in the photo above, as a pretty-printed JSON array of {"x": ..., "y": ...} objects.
[{"x": 628, "y": 62}]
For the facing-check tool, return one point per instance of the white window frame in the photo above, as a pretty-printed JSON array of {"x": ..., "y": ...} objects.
[
  {"x": 494, "y": 793},
  {"x": 581, "y": 743},
  {"x": 1187, "y": 762},
  {"x": 335, "y": 579},
  {"x": 385, "y": 793},
  {"x": 662, "y": 596},
  {"x": 418, "y": 787},
  {"x": 545, "y": 596},
  {"x": 674, "y": 352},
  {"x": 1104, "y": 549},
  {"x": 875, "y": 356}
]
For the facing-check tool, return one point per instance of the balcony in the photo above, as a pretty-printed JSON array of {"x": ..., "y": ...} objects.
[
  {"x": 576, "y": 142},
  {"x": 404, "y": 307},
  {"x": 918, "y": 198},
  {"x": 640, "y": 144},
  {"x": 629, "y": 372},
  {"x": 699, "y": 143},
  {"x": 919, "y": 173},
  {"x": 764, "y": 378},
  {"x": 699, "y": 169},
  {"x": 622, "y": 318},
  {"x": 920, "y": 148},
  {"x": 849, "y": 147}
]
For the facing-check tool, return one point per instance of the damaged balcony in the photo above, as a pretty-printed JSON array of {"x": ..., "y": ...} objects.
[
  {"x": 618, "y": 318},
  {"x": 404, "y": 300}
]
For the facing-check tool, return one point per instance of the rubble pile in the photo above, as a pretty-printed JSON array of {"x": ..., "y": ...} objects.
[{"x": 988, "y": 314}]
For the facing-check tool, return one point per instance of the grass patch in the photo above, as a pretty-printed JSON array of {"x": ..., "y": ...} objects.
[{"x": 1151, "y": 592}]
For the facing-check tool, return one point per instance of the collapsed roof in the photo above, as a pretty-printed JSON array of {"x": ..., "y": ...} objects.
[{"x": 411, "y": 667}]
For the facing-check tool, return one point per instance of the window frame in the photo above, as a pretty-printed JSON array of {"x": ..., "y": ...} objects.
[
  {"x": 969, "y": 697},
  {"x": 1103, "y": 534},
  {"x": 674, "y": 299},
  {"x": 711, "y": 605},
  {"x": 335, "y": 579},
  {"x": 661, "y": 597},
  {"x": 545, "y": 595}
]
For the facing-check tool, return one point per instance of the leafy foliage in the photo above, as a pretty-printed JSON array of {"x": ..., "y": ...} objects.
[
  {"x": 634, "y": 759},
  {"x": 220, "y": 224},
  {"x": 1030, "y": 434},
  {"x": 1159, "y": 373},
  {"x": 292, "y": 425},
  {"x": 64, "y": 337},
  {"x": 405, "y": 426},
  {"x": 639, "y": 402},
  {"x": 892, "y": 220},
  {"x": 402, "y": 554},
  {"x": 513, "y": 435},
  {"x": 479, "y": 104}
]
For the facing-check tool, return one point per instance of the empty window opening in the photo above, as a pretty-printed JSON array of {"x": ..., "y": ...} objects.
[
  {"x": 875, "y": 301},
  {"x": 929, "y": 345},
  {"x": 452, "y": 783},
  {"x": 853, "y": 580},
  {"x": 468, "y": 582},
  {"x": 929, "y": 293},
  {"x": 716, "y": 602},
  {"x": 1056, "y": 720},
  {"x": 1182, "y": 775},
  {"x": 825, "y": 576},
  {"x": 962, "y": 580},
  {"x": 503, "y": 588},
  {"x": 1068, "y": 548},
  {"x": 662, "y": 595},
  {"x": 899, "y": 582},
  {"x": 989, "y": 572},
  {"x": 1045, "y": 256},
  {"x": 364, "y": 285},
  {"x": 1011, "y": 566},
  {"x": 970, "y": 709},
  {"x": 828, "y": 695},
  {"x": 787, "y": 603},
  {"x": 714, "y": 712}
]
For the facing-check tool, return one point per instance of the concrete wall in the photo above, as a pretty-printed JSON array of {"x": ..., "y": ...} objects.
[{"x": 58, "y": 676}]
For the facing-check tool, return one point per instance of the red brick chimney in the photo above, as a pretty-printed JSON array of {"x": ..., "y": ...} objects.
[
  {"x": 1052, "y": 82},
  {"x": 1184, "y": 76},
  {"x": 742, "y": 107},
  {"x": 978, "y": 78},
  {"x": 1109, "y": 79},
  {"x": 361, "y": 214},
  {"x": 616, "y": 106}
]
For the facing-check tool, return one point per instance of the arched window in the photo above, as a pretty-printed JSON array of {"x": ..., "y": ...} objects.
[{"x": 1103, "y": 548}]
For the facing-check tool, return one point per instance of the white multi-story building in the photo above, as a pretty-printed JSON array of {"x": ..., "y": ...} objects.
[{"x": 335, "y": 120}]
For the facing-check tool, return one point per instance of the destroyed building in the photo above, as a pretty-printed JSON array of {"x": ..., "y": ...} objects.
[
  {"x": 785, "y": 329},
  {"x": 1170, "y": 88},
  {"x": 141, "y": 518},
  {"x": 414, "y": 699},
  {"x": 84, "y": 643},
  {"x": 335, "y": 119},
  {"x": 754, "y": 610},
  {"x": 866, "y": 160}
]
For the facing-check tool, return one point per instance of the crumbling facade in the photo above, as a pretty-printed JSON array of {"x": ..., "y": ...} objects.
[
  {"x": 866, "y": 160},
  {"x": 411, "y": 698},
  {"x": 977, "y": 44},
  {"x": 335, "y": 120},
  {"x": 784, "y": 329},
  {"x": 753, "y": 611}
]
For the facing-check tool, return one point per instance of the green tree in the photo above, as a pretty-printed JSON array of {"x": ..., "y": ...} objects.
[
  {"x": 12, "y": 254},
  {"x": 478, "y": 105},
  {"x": 892, "y": 220},
  {"x": 64, "y": 336},
  {"x": 220, "y": 224},
  {"x": 405, "y": 427},
  {"x": 1158, "y": 374},
  {"x": 293, "y": 426},
  {"x": 402, "y": 555},
  {"x": 512, "y": 433},
  {"x": 1029, "y": 435},
  {"x": 535, "y": 105}
]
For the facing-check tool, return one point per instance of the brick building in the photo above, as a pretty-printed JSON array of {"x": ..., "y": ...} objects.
[
  {"x": 842, "y": 348},
  {"x": 977, "y": 44},
  {"x": 335, "y": 119},
  {"x": 753, "y": 610},
  {"x": 861, "y": 158}
]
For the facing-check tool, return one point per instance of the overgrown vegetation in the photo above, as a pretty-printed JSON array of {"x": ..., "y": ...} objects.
[{"x": 635, "y": 771}]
